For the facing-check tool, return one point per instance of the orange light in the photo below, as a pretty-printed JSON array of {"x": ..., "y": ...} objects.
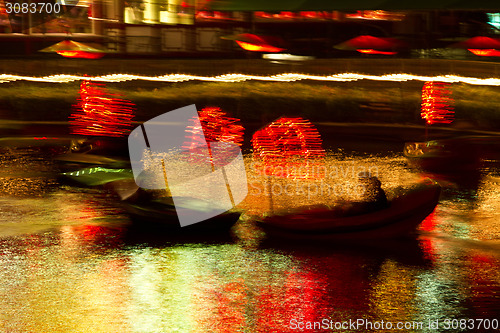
[
  {"x": 258, "y": 48},
  {"x": 485, "y": 52},
  {"x": 437, "y": 103},
  {"x": 81, "y": 54},
  {"x": 371, "y": 51}
]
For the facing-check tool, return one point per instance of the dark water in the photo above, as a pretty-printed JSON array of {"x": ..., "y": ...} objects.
[{"x": 70, "y": 261}]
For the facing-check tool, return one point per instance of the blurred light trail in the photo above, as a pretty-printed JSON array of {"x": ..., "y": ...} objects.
[{"x": 285, "y": 77}]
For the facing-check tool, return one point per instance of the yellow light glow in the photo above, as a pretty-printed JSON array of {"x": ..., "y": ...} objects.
[{"x": 285, "y": 77}]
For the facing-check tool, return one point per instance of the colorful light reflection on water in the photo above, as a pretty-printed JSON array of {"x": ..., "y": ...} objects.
[{"x": 77, "y": 266}]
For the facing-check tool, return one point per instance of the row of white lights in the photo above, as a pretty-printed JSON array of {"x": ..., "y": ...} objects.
[{"x": 285, "y": 77}]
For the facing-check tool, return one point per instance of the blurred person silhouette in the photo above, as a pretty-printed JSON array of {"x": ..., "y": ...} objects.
[{"x": 373, "y": 197}]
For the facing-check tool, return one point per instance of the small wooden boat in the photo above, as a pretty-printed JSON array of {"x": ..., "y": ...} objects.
[
  {"x": 97, "y": 176},
  {"x": 162, "y": 213},
  {"x": 402, "y": 217},
  {"x": 445, "y": 155},
  {"x": 75, "y": 161}
]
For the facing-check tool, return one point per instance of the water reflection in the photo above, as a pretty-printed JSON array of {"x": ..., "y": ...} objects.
[{"x": 85, "y": 269}]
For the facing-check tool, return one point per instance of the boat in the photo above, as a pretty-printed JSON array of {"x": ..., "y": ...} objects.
[
  {"x": 75, "y": 161},
  {"x": 97, "y": 176},
  {"x": 447, "y": 155},
  {"x": 145, "y": 207},
  {"x": 162, "y": 213},
  {"x": 95, "y": 152},
  {"x": 401, "y": 218}
]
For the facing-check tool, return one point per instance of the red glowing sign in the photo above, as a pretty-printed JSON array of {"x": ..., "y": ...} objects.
[
  {"x": 437, "y": 103},
  {"x": 99, "y": 113},
  {"x": 289, "y": 147}
]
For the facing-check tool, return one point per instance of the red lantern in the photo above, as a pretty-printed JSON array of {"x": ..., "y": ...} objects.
[
  {"x": 437, "y": 103},
  {"x": 99, "y": 113},
  {"x": 216, "y": 126},
  {"x": 290, "y": 148}
]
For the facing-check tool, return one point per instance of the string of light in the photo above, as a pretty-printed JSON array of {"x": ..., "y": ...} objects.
[{"x": 285, "y": 77}]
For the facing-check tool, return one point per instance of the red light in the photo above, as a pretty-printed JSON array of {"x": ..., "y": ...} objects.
[
  {"x": 371, "y": 51},
  {"x": 437, "y": 103},
  {"x": 259, "y": 48},
  {"x": 81, "y": 54},
  {"x": 485, "y": 52},
  {"x": 99, "y": 113},
  {"x": 289, "y": 147},
  {"x": 217, "y": 126}
]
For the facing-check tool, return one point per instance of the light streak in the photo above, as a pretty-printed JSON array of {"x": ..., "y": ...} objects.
[{"x": 231, "y": 78}]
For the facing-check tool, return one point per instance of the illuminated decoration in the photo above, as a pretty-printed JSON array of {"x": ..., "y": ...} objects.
[
  {"x": 258, "y": 48},
  {"x": 81, "y": 54},
  {"x": 251, "y": 42},
  {"x": 289, "y": 148},
  {"x": 480, "y": 46},
  {"x": 371, "y": 45},
  {"x": 376, "y": 15},
  {"x": 437, "y": 103},
  {"x": 72, "y": 49},
  {"x": 372, "y": 51},
  {"x": 285, "y": 77},
  {"x": 485, "y": 52},
  {"x": 99, "y": 113},
  {"x": 217, "y": 126}
]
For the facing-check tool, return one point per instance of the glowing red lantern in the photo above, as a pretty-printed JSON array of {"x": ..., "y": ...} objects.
[
  {"x": 217, "y": 126},
  {"x": 437, "y": 103},
  {"x": 99, "y": 113},
  {"x": 289, "y": 147}
]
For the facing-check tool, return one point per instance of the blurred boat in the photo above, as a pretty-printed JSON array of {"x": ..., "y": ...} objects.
[
  {"x": 97, "y": 176},
  {"x": 75, "y": 161},
  {"x": 445, "y": 155},
  {"x": 144, "y": 207},
  {"x": 402, "y": 217},
  {"x": 95, "y": 152},
  {"x": 162, "y": 212}
]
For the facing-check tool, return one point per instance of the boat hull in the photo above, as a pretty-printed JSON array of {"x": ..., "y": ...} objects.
[
  {"x": 166, "y": 218},
  {"x": 400, "y": 219}
]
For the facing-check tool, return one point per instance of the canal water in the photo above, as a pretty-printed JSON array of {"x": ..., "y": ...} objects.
[{"x": 71, "y": 261}]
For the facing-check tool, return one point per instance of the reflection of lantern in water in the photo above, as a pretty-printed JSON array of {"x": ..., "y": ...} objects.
[
  {"x": 100, "y": 113},
  {"x": 437, "y": 103},
  {"x": 217, "y": 126},
  {"x": 289, "y": 147}
]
